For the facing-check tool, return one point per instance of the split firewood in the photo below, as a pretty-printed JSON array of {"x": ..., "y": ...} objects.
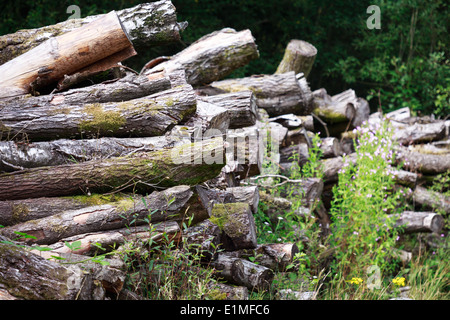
[
  {"x": 17, "y": 211},
  {"x": 275, "y": 256},
  {"x": 241, "y": 107},
  {"x": 278, "y": 94},
  {"x": 242, "y": 272},
  {"x": 210, "y": 58},
  {"x": 330, "y": 147},
  {"x": 431, "y": 199},
  {"x": 427, "y": 163},
  {"x": 209, "y": 197},
  {"x": 222, "y": 291},
  {"x": 237, "y": 225},
  {"x": 299, "y": 152},
  {"x": 248, "y": 195},
  {"x": 168, "y": 204},
  {"x": 147, "y": 24},
  {"x": 209, "y": 120},
  {"x": 73, "y": 52},
  {"x": 298, "y": 136},
  {"x": 148, "y": 116},
  {"x": 203, "y": 239},
  {"x": 299, "y": 57},
  {"x": 336, "y": 109},
  {"x": 28, "y": 276},
  {"x": 101, "y": 242},
  {"x": 412, "y": 222}
]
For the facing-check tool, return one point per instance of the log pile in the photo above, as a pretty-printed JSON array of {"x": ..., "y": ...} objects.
[{"x": 136, "y": 156}]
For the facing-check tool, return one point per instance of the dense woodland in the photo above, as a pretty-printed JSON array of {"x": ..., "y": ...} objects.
[{"x": 224, "y": 150}]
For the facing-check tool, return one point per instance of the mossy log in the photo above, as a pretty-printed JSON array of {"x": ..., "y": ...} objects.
[
  {"x": 73, "y": 52},
  {"x": 241, "y": 107},
  {"x": 152, "y": 115},
  {"x": 331, "y": 111},
  {"x": 222, "y": 291},
  {"x": 18, "y": 211},
  {"x": 147, "y": 24},
  {"x": 237, "y": 225},
  {"x": 299, "y": 57},
  {"x": 431, "y": 199},
  {"x": 210, "y": 58},
  {"x": 413, "y": 222},
  {"x": 117, "y": 215},
  {"x": 248, "y": 195},
  {"x": 278, "y": 93},
  {"x": 18, "y": 156},
  {"x": 211, "y": 196},
  {"x": 242, "y": 272},
  {"x": 102, "y": 242},
  {"x": 204, "y": 239},
  {"x": 422, "y": 161},
  {"x": 26, "y": 275}
]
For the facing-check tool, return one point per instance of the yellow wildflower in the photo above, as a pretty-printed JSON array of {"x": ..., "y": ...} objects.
[
  {"x": 356, "y": 281},
  {"x": 399, "y": 281}
]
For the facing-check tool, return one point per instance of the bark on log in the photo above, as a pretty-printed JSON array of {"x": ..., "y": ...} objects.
[
  {"x": 249, "y": 195},
  {"x": 275, "y": 256},
  {"x": 241, "y": 107},
  {"x": 18, "y": 156},
  {"x": 237, "y": 224},
  {"x": 309, "y": 190},
  {"x": 243, "y": 272},
  {"x": 208, "y": 121},
  {"x": 17, "y": 211},
  {"x": 422, "y": 162},
  {"x": 149, "y": 116},
  {"x": 147, "y": 24},
  {"x": 28, "y": 276},
  {"x": 292, "y": 121},
  {"x": 127, "y": 88},
  {"x": 298, "y": 136},
  {"x": 204, "y": 239},
  {"x": 278, "y": 94},
  {"x": 336, "y": 109},
  {"x": 299, "y": 57},
  {"x": 209, "y": 197},
  {"x": 67, "y": 54},
  {"x": 104, "y": 217},
  {"x": 431, "y": 199},
  {"x": 330, "y": 147},
  {"x": 211, "y": 57},
  {"x": 222, "y": 291},
  {"x": 299, "y": 152},
  {"x": 147, "y": 236},
  {"x": 420, "y": 222}
]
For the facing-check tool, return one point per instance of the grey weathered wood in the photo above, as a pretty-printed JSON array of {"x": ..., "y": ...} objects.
[
  {"x": 147, "y": 24},
  {"x": 241, "y": 107},
  {"x": 426, "y": 163},
  {"x": 18, "y": 156},
  {"x": 222, "y": 291},
  {"x": 148, "y": 116},
  {"x": 248, "y": 195},
  {"x": 209, "y": 120},
  {"x": 51, "y": 229},
  {"x": 431, "y": 199},
  {"x": 336, "y": 109},
  {"x": 299, "y": 57},
  {"x": 420, "y": 222},
  {"x": 204, "y": 239},
  {"x": 278, "y": 94},
  {"x": 330, "y": 147},
  {"x": 210, "y": 58}
]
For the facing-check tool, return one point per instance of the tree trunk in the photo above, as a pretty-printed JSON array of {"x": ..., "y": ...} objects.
[
  {"x": 147, "y": 24},
  {"x": 67, "y": 54},
  {"x": 275, "y": 256},
  {"x": 155, "y": 234},
  {"x": 210, "y": 58},
  {"x": 28, "y": 276},
  {"x": 149, "y": 116},
  {"x": 237, "y": 224},
  {"x": 155, "y": 208},
  {"x": 420, "y": 222},
  {"x": 241, "y": 107},
  {"x": 431, "y": 199},
  {"x": 127, "y": 88},
  {"x": 278, "y": 94},
  {"x": 425, "y": 163},
  {"x": 299, "y": 57},
  {"x": 19, "y": 156},
  {"x": 17, "y": 211},
  {"x": 243, "y": 272}
]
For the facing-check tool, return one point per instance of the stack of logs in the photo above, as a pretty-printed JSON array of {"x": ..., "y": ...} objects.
[{"x": 95, "y": 165}]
